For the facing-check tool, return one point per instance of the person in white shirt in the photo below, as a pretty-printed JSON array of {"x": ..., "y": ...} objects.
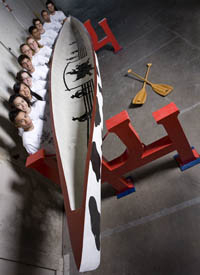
[
  {"x": 49, "y": 33},
  {"x": 35, "y": 85},
  {"x": 39, "y": 49},
  {"x": 25, "y": 91},
  {"x": 35, "y": 59},
  {"x": 45, "y": 41},
  {"x": 36, "y": 135},
  {"x": 35, "y": 110},
  {"x": 25, "y": 49},
  {"x": 55, "y": 15},
  {"x": 40, "y": 73},
  {"x": 37, "y": 72},
  {"x": 49, "y": 24}
]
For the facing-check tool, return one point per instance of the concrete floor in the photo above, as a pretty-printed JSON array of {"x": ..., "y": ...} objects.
[{"x": 156, "y": 229}]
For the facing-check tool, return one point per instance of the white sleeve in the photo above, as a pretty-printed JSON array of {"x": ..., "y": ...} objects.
[
  {"x": 46, "y": 41},
  {"x": 62, "y": 15},
  {"x": 40, "y": 60},
  {"x": 45, "y": 51},
  {"x": 38, "y": 85},
  {"x": 49, "y": 41},
  {"x": 58, "y": 25},
  {"x": 48, "y": 51},
  {"x": 52, "y": 34},
  {"x": 43, "y": 71},
  {"x": 20, "y": 131},
  {"x": 42, "y": 109},
  {"x": 30, "y": 147},
  {"x": 43, "y": 60},
  {"x": 42, "y": 93}
]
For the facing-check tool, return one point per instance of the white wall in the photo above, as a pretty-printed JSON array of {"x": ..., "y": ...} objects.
[{"x": 31, "y": 207}]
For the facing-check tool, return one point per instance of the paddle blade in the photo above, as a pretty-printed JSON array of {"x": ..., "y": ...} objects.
[
  {"x": 162, "y": 89},
  {"x": 140, "y": 97}
]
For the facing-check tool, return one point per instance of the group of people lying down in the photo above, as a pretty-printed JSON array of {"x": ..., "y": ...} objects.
[{"x": 29, "y": 102}]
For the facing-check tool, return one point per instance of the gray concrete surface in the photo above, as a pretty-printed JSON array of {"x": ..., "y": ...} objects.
[{"x": 31, "y": 207}]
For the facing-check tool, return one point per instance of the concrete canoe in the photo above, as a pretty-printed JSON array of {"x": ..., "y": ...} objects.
[{"x": 77, "y": 118}]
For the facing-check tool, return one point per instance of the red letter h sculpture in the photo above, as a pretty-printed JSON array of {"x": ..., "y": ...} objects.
[
  {"x": 137, "y": 154},
  {"x": 110, "y": 38}
]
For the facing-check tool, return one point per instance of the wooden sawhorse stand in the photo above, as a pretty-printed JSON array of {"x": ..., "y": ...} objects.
[
  {"x": 109, "y": 38},
  {"x": 136, "y": 154}
]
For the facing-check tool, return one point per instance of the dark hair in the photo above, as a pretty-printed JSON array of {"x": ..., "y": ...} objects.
[
  {"x": 17, "y": 86},
  {"x": 50, "y": 2},
  {"x": 13, "y": 97},
  {"x": 19, "y": 75},
  {"x": 13, "y": 114},
  {"x": 38, "y": 97},
  {"x": 21, "y": 46},
  {"x": 43, "y": 12},
  {"x": 21, "y": 58},
  {"x": 35, "y": 20},
  {"x": 30, "y": 30}
]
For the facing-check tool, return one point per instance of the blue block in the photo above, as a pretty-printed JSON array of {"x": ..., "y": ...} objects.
[
  {"x": 189, "y": 164},
  {"x": 126, "y": 192}
]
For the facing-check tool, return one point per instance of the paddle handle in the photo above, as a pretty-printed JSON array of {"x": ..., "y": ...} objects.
[
  {"x": 147, "y": 73},
  {"x": 140, "y": 77}
]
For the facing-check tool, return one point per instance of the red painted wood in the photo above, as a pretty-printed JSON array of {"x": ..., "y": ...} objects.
[
  {"x": 109, "y": 38},
  {"x": 138, "y": 154},
  {"x": 44, "y": 164}
]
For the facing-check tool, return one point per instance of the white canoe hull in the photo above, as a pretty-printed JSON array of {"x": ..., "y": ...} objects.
[{"x": 76, "y": 109}]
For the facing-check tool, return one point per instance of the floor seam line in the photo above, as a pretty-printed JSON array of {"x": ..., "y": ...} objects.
[{"x": 146, "y": 219}]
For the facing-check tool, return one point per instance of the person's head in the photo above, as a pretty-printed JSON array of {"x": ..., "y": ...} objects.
[
  {"x": 20, "y": 119},
  {"x": 34, "y": 32},
  {"x": 20, "y": 102},
  {"x": 25, "y": 77},
  {"x": 33, "y": 44},
  {"x": 25, "y": 49},
  {"x": 51, "y": 7},
  {"x": 25, "y": 62},
  {"x": 38, "y": 24},
  {"x": 45, "y": 16},
  {"x": 22, "y": 89}
]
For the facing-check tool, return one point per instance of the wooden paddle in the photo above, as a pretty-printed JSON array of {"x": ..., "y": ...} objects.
[
  {"x": 141, "y": 96},
  {"x": 161, "y": 89}
]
